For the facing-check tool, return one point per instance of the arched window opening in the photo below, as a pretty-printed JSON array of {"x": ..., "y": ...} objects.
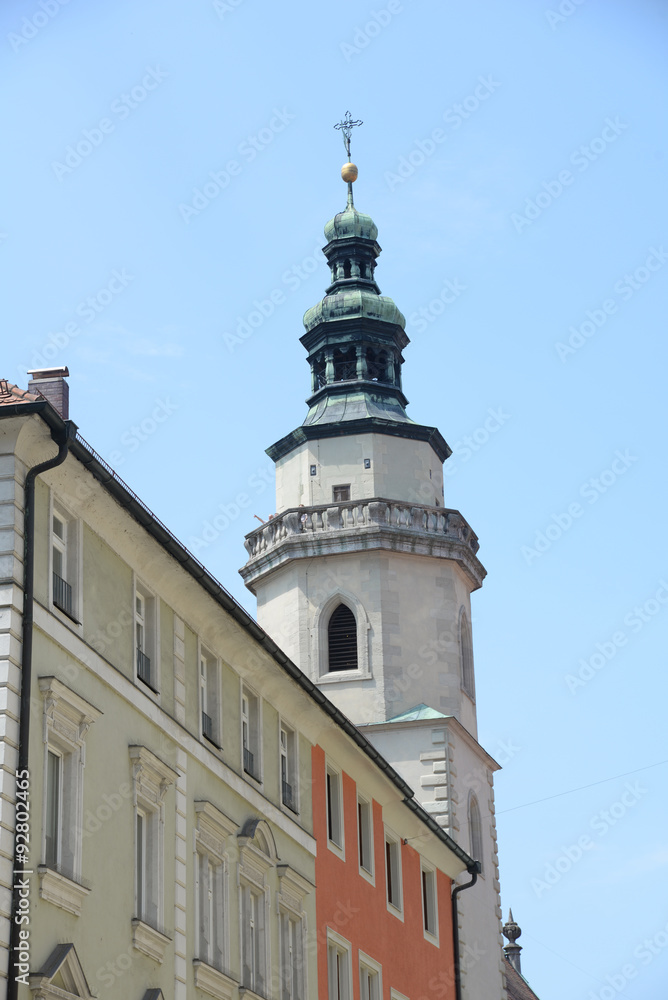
[
  {"x": 466, "y": 654},
  {"x": 346, "y": 269},
  {"x": 475, "y": 829},
  {"x": 345, "y": 365},
  {"x": 342, "y": 639}
]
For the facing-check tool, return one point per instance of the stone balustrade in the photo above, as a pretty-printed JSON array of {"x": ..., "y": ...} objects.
[{"x": 355, "y": 515}]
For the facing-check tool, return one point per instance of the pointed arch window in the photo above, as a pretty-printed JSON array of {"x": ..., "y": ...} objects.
[
  {"x": 342, "y": 639},
  {"x": 475, "y": 829},
  {"x": 466, "y": 656}
]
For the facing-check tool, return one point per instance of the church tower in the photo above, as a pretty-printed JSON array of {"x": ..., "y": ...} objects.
[{"x": 364, "y": 576}]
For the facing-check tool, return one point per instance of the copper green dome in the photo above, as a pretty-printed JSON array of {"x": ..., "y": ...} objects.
[
  {"x": 353, "y": 303},
  {"x": 350, "y": 224}
]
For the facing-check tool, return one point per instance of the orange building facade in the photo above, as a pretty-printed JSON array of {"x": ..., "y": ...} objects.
[{"x": 384, "y": 877}]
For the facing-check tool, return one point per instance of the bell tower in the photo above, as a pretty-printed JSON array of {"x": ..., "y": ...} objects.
[{"x": 364, "y": 576}]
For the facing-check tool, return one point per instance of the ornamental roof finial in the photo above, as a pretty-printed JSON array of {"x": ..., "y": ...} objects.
[{"x": 348, "y": 170}]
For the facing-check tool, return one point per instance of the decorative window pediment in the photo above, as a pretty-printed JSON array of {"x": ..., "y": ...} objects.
[
  {"x": 60, "y": 977},
  {"x": 152, "y": 777},
  {"x": 213, "y": 828},
  {"x": 293, "y": 888},
  {"x": 257, "y": 850}
]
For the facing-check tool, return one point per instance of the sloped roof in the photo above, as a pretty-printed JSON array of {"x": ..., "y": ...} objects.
[
  {"x": 10, "y": 394},
  {"x": 516, "y": 985},
  {"x": 420, "y": 711}
]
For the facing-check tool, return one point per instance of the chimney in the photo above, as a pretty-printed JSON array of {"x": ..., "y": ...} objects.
[
  {"x": 512, "y": 931},
  {"x": 50, "y": 383}
]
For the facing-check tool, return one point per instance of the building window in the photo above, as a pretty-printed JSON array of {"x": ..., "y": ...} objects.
[
  {"x": 365, "y": 835},
  {"x": 253, "y": 939},
  {"x": 210, "y": 910},
  {"x": 475, "y": 829},
  {"x": 339, "y": 967},
  {"x": 210, "y": 697},
  {"x": 341, "y": 493},
  {"x": 151, "y": 779},
  {"x": 393, "y": 870},
  {"x": 65, "y": 562},
  {"x": 289, "y": 771},
  {"x": 334, "y": 808},
  {"x": 211, "y": 891},
  {"x": 67, "y": 718},
  {"x": 342, "y": 639},
  {"x": 429, "y": 908},
  {"x": 466, "y": 655},
  {"x": 292, "y": 956},
  {"x": 257, "y": 856},
  {"x": 370, "y": 979},
  {"x": 146, "y": 638},
  {"x": 250, "y": 733}
]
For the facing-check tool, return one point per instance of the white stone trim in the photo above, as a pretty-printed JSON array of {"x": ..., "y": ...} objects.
[
  {"x": 150, "y": 941},
  {"x": 61, "y": 891},
  {"x": 213, "y": 982},
  {"x": 320, "y": 643}
]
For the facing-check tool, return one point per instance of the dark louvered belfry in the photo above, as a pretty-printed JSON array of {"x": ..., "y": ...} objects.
[{"x": 342, "y": 639}]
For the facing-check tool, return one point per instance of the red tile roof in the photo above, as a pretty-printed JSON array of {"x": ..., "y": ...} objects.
[
  {"x": 517, "y": 986},
  {"x": 10, "y": 394}
]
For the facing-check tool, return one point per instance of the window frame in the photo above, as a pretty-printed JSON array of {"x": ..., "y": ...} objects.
[
  {"x": 251, "y": 724},
  {"x": 373, "y": 971},
  {"x": 290, "y": 755},
  {"x": 150, "y": 622},
  {"x": 466, "y": 667},
  {"x": 67, "y": 718},
  {"x": 393, "y": 874},
  {"x": 320, "y": 640},
  {"x": 210, "y": 696},
  {"x": 339, "y": 947},
  {"x": 429, "y": 875},
  {"x": 475, "y": 832},
  {"x": 71, "y": 550},
  {"x": 365, "y": 807},
  {"x": 151, "y": 778},
  {"x": 334, "y": 815},
  {"x": 341, "y": 487}
]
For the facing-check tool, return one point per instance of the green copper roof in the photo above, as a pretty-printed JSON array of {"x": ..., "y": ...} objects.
[
  {"x": 353, "y": 303},
  {"x": 421, "y": 711},
  {"x": 351, "y": 223}
]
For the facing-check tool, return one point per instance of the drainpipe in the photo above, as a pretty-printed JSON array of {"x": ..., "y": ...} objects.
[
  {"x": 474, "y": 870},
  {"x": 63, "y": 438}
]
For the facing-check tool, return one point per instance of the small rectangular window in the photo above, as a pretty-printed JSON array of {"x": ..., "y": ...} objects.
[
  {"x": 254, "y": 960},
  {"x": 292, "y": 961},
  {"x": 65, "y": 568},
  {"x": 334, "y": 808},
  {"x": 210, "y": 910},
  {"x": 146, "y": 638},
  {"x": 209, "y": 668},
  {"x": 341, "y": 493},
  {"x": 393, "y": 870},
  {"x": 429, "y": 909},
  {"x": 365, "y": 835},
  {"x": 54, "y": 809},
  {"x": 250, "y": 734},
  {"x": 288, "y": 765}
]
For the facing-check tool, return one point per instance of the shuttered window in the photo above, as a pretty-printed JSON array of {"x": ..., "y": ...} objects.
[{"x": 342, "y": 639}]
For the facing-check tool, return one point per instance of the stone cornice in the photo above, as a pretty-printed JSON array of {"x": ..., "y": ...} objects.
[{"x": 362, "y": 525}]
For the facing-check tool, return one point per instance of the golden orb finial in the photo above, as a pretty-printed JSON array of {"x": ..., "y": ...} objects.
[{"x": 349, "y": 172}]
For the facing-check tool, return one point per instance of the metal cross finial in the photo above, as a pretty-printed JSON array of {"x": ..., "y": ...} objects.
[{"x": 347, "y": 126}]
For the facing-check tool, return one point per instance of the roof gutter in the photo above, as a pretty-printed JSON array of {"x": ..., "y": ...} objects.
[
  {"x": 63, "y": 433},
  {"x": 474, "y": 870}
]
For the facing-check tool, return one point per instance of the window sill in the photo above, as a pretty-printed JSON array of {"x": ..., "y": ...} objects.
[
  {"x": 61, "y": 890},
  {"x": 66, "y": 618},
  {"x": 396, "y": 910},
  {"x": 367, "y": 875},
  {"x": 336, "y": 676},
  {"x": 147, "y": 685},
  {"x": 432, "y": 938},
  {"x": 213, "y": 981},
  {"x": 149, "y": 940},
  {"x": 212, "y": 742},
  {"x": 335, "y": 849}
]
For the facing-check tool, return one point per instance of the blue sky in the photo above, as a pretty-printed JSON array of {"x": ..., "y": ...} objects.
[{"x": 168, "y": 171}]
